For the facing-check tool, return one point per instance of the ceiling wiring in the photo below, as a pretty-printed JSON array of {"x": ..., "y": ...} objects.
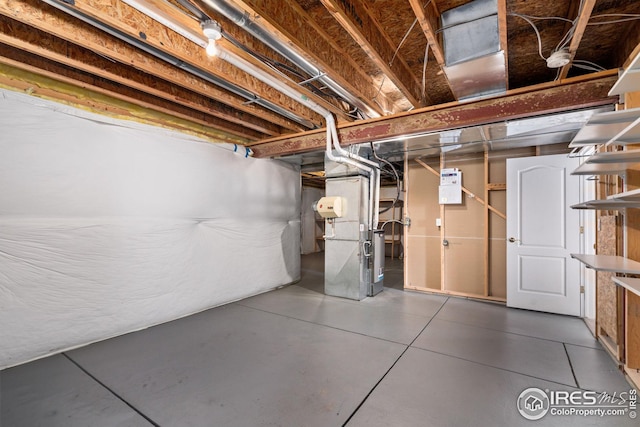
[
  {"x": 534, "y": 29},
  {"x": 625, "y": 18},
  {"x": 424, "y": 70}
]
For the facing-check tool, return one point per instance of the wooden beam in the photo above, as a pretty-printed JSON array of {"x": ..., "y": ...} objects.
[
  {"x": 17, "y": 76},
  {"x": 24, "y": 60},
  {"x": 132, "y": 22},
  {"x": 428, "y": 18},
  {"x": 457, "y": 294},
  {"x": 48, "y": 19},
  {"x": 501, "y": 186},
  {"x": 295, "y": 27},
  {"x": 29, "y": 39},
  {"x": 465, "y": 190},
  {"x": 356, "y": 19},
  {"x": 570, "y": 94},
  {"x": 502, "y": 31},
  {"x": 578, "y": 31},
  {"x": 486, "y": 234}
]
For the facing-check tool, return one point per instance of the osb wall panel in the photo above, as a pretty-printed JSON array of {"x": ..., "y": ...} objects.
[
  {"x": 422, "y": 262},
  {"x": 464, "y": 266},
  {"x": 422, "y": 238},
  {"x": 467, "y": 219},
  {"x": 606, "y": 302}
]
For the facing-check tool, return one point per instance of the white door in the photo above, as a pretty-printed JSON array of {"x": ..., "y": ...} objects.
[{"x": 542, "y": 232}]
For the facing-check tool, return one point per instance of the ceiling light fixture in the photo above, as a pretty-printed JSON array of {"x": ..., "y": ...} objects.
[
  {"x": 213, "y": 32},
  {"x": 559, "y": 59}
]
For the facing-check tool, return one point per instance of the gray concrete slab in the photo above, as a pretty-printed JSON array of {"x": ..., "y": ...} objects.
[
  {"x": 430, "y": 389},
  {"x": 391, "y": 315},
  {"x": 595, "y": 370},
  {"x": 53, "y": 392},
  {"x": 237, "y": 366},
  {"x": 530, "y": 356},
  {"x": 547, "y": 326}
]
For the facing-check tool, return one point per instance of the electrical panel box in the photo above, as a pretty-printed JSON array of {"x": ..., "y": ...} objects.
[
  {"x": 450, "y": 190},
  {"x": 331, "y": 207}
]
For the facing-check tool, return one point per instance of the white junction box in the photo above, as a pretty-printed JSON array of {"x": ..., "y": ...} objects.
[{"x": 450, "y": 190}]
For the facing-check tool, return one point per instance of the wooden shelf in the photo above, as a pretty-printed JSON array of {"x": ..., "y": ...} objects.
[
  {"x": 607, "y": 205},
  {"x": 610, "y": 263},
  {"x": 628, "y": 196},
  {"x": 601, "y": 169},
  {"x": 628, "y": 199},
  {"x": 629, "y": 81},
  {"x": 613, "y": 127},
  {"x": 630, "y": 284},
  {"x": 625, "y": 157}
]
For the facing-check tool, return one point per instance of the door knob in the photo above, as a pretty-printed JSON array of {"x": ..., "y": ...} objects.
[{"x": 513, "y": 240}]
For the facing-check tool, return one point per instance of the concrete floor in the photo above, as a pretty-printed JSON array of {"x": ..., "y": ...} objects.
[{"x": 295, "y": 357}]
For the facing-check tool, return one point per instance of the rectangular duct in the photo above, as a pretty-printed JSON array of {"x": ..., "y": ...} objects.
[{"x": 475, "y": 63}]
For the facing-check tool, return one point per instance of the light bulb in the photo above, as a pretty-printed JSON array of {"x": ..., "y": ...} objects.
[{"x": 212, "y": 49}]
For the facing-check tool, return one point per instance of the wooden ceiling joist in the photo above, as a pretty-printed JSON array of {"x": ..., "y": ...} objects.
[
  {"x": 17, "y": 75},
  {"x": 295, "y": 27},
  {"x": 357, "y": 21},
  {"x": 578, "y": 31},
  {"x": 502, "y": 31},
  {"x": 130, "y": 21},
  {"x": 34, "y": 41},
  {"x": 429, "y": 18},
  {"x": 50, "y": 20},
  {"x": 227, "y": 132},
  {"x": 570, "y": 94}
]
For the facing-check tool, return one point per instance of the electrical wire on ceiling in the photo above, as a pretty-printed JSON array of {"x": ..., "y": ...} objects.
[
  {"x": 251, "y": 25},
  {"x": 567, "y": 37},
  {"x": 535, "y": 29},
  {"x": 627, "y": 17},
  {"x": 195, "y": 12},
  {"x": 424, "y": 69},
  {"x": 279, "y": 67}
]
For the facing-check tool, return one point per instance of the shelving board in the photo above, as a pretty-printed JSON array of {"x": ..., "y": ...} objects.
[
  {"x": 611, "y": 263},
  {"x": 601, "y": 169},
  {"x": 627, "y": 196},
  {"x": 623, "y": 126},
  {"x": 607, "y": 204},
  {"x": 629, "y": 80},
  {"x": 627, "y": 157},
  {"x": 630, "y": 284}
]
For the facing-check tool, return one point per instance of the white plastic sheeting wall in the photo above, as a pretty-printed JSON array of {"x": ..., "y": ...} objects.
[
  {"x": 109, "y": 226},
  {"x": 310, "y": 228}
]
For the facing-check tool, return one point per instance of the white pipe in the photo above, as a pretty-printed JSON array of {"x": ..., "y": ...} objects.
[
  {"x": 332, "y": 135},
  {"x": 375, "y": 194},
  {"x": 344, "y": 157}
]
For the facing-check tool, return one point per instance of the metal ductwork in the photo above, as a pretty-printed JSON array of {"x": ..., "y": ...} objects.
[
  {"x": 244, "y": 21},
  {"x": 475, "y": 63}
]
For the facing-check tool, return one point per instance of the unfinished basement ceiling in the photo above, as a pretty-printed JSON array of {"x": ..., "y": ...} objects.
[{"x": 363, "y": 60}]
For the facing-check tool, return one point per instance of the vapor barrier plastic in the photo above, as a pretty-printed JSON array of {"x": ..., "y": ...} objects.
[{"x": 108, "y": 226}]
